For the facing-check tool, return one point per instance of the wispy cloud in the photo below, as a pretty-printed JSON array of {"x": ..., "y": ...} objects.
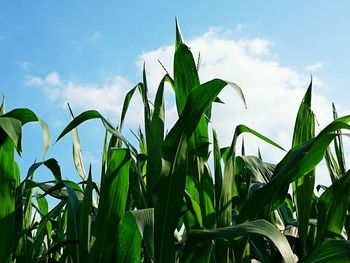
[
  {"x": 239, "y": 27},
  {"x": 314, "y": 67},
  {"x": 90, "y": 39},
  {"x": 95, "y": 36},
  {"x": 25, "y": 65}
]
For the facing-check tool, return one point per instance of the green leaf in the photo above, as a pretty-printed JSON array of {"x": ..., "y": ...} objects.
[
  {"x": 185, "y": 80},
  {"x": 144, "y": 219},
  {"x": 169, "y": 189},
  {"x": 85, "y": 220},
  {"x": 197, "y": 252},
  {"x": 147, "y": 110},
  {"x": 77, "y": 154},
  {"x": 240, "y": 129},
  {"x": 92, "y": 114},
  {"x": 304, "y": 130},
  {"x": 156, "y": 137},
  {"x": 229, "y": 188},
  {"x": 185, "y": 72},
  {"x": 257, "y": 170},
  {"x": 86, "y": 115},
  {"x": 126, "y": 103},
  {"x": 73, "y": 208},
  {"x": 128, "y": 247},
  {"x": 2, "y": 107},
  {"x": 339, "y": 147},
  {"x": 40, "y": 233},
  {"x": 26, "y": 116},
  {"x": 217, "y": 174},
  {"x": 331, "y": 251},
  {"x": 9, "y": 179},
  {"x": 135, "y": 226},
  {"x": 168, "y": 193},
  {"x": 114, "y": 191},
  {"x": 260, "y": 227},
  {"x": 13, "y": 129},
  {"x": 332, "y": 166},
  {"x": 332, "y": 209},
  {"x": 198, "y": 101},
  {"x": 298, "y": 162}
]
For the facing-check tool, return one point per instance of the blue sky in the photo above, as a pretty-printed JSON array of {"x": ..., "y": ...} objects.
[{"x": 79, "y": 51}]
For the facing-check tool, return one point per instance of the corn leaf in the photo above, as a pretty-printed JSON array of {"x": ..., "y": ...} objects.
[
  {"x": 217, "y": 174},
  {"x": 172, "y": 179},
  {"x": 77, "y": 154},
  {"x": 260, "y": 227},
  {"x": 92, "y": 114},
  {"x": 144, "y": 219},
  {"x": 339, "y": 147},
  {"x": 156, "y": 137},
  {"x": 331, "y": 251},
  {"x": 9, "y": 179},
  {"x": 298, "y": 162},
  {"x": 41, "y": 230},
  {"x": 13, "y": 129},
  {"x": 114, "y": 190},
  {"x": 332, "y": 209},
  {"x": 126, "y": 103},
  {"x": 25, "y": 116},
  {"x": 85, "y": 220},
  {"x": 303, "y": 187},
  {"x": 128, "y": 247}
]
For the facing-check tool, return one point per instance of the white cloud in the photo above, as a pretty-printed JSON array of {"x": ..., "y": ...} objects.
[
  {"x": 107, "y": 97},
  {"x": 314, "y": 67},
  {"x": 94, "y": 37},
  {"x": 273, "y": 91},
  {"x": 240, "y": 27},
  {"x": 25, "y": 65}
]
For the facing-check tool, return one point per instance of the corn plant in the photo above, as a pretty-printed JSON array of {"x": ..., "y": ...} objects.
[{"x": 163, "y": 201}]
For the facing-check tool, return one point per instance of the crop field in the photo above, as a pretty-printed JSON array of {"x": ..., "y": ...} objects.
[{"x": 177, "y": 196}]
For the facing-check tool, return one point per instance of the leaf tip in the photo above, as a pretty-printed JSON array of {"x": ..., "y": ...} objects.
[{"x": 179, "y": 39}]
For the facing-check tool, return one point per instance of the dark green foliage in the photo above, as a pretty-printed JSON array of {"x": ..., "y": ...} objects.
[{"x": 161, "y": 202}]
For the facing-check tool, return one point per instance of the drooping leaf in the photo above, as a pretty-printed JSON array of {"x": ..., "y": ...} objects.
[
  {"x": 298, "y": 162},
  {"x": 25, "y": 116},
  {"x": 92, "y": 114},
  {"x": 13, "y": 128},
  {"x": 77, "y": 154},
  {"x": 260, "y": 227}
]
